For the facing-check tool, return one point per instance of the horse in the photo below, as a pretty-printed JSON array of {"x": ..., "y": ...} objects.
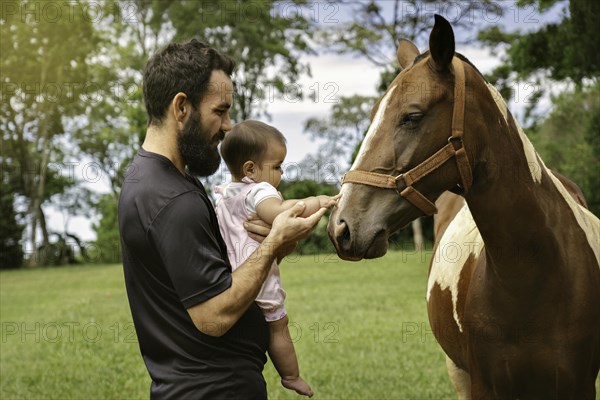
[{"x": 513, "y": 293}]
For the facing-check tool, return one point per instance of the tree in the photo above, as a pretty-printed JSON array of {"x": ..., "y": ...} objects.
[
  {"x": 43, "y": 85},
  {"x": 116, "y": 121},
  {"x": 266, "y": 45},
  {"x": 565, "y": 50}
]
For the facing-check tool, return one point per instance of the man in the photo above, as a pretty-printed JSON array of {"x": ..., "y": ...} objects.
[{"x": 200, "y": 333}]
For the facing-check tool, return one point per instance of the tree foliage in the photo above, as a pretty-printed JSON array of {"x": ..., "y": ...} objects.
[
  {"x": 565, "y": 50},
  {"x": 266, "y": 45},
  {"x": 44, "y": 80}
]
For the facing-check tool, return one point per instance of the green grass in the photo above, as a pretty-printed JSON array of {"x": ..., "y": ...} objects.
[{"x": 67, "y": 332}]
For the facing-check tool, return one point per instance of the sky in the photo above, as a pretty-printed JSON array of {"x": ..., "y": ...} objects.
[{"x": 334, "y": 76}]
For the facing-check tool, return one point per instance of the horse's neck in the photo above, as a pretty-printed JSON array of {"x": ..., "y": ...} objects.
[{"x": 523, "y": 212}]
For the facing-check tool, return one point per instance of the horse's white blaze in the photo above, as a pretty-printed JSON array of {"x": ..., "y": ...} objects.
[
  {"x": 366, "y": 144},
  {"x": 373, "y": 128},
  {"x": 459, "y": 241}
]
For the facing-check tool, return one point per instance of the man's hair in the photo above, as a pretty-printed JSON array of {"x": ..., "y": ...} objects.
[
  {"x": 180, "y": 67},
  {"x": 248, "y": 141}
]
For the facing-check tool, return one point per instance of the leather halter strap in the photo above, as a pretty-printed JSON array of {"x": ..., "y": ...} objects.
[{"x": 403, "y": 183}]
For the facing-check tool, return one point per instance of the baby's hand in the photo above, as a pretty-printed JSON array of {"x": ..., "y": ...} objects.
[
  {"x": 328, "y": 201},
  {"x": 298, "y": 385}
]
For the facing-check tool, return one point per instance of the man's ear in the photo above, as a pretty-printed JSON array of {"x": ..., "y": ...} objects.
[
  {"x": 250, "y": 169},
  {"x": 180, "y": 107}
]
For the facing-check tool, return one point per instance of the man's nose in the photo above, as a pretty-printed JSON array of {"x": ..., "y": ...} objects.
[{"x": 226, "y": 123}]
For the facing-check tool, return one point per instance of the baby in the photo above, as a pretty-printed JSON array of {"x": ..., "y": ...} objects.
[{"x": 254, "y": 152}]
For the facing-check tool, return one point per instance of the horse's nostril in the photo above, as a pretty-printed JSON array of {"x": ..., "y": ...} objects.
[{"x": 342, "y": 234}]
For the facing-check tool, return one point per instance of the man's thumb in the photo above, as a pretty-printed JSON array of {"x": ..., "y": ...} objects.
[{"x": 297, "y": 209}]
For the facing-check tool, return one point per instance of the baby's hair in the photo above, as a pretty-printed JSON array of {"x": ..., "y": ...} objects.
[{"x": 248, "y": 141}]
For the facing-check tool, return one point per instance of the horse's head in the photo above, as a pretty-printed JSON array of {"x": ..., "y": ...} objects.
[{"x": 412, "y": 152}]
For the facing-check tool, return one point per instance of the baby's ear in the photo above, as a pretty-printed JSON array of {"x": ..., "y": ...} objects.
[{"x": 249, "y": 169}]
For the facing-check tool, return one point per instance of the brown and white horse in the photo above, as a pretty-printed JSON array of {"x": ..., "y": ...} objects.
[{"x": 520, "y": 316}]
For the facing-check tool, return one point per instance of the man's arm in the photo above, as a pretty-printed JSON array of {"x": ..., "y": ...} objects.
[{"x": 218, "y": 314}]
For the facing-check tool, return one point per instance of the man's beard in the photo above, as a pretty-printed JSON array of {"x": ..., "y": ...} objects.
[{"x": 196, "y": 149}]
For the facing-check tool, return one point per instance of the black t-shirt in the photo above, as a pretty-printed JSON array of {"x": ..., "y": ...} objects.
[{"x": 174, "y": 258}]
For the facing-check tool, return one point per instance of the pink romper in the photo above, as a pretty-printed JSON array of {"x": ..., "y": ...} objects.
[{"x": 239, "y": 200}]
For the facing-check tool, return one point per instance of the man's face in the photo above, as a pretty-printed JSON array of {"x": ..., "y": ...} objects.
[{"x": 205, "y": 128}]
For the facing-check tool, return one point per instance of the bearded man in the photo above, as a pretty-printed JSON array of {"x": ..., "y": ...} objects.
[{"x": 200, "y": 333}]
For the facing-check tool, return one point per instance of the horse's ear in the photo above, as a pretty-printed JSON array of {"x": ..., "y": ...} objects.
[
  {"x": 441, "y": 43},
  {"x": 407, "y": 52}
]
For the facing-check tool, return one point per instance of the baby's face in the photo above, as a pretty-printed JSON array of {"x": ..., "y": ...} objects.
[{"x": 270, "y": 169}]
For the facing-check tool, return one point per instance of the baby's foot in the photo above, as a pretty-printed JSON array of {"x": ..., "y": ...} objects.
[{"x": 298, "y": 385}]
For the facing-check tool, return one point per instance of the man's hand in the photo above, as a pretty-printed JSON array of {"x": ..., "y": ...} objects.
[
  {"x": 288, "y": 228},
  {"x": 257, "y": 228}
]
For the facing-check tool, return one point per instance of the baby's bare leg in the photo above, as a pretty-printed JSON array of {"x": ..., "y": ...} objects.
[{"x": 283, "y": 355}]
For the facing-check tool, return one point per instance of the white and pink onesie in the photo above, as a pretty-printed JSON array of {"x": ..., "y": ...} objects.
[{"x": 238, "y": 200}]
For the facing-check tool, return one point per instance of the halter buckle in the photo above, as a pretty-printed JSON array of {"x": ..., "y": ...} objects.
[
  {"x": 398, "y": 189},
  {"x": 456, "y": 141}
]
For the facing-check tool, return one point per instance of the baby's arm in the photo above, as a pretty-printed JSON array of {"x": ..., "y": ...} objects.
[
  {"x": 269, "y": 208},
  {"x": 283, "y": 356}
]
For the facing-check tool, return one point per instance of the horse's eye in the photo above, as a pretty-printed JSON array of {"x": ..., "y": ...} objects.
[{"x": 411, "y": 119}]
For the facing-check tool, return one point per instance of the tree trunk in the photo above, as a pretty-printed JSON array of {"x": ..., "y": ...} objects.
[
  {"x": 82, "y": 248},
  {"x": 43, "y": 257},
  {"x": 418, "y": 234},
  {"x": 32, "y": 261},
  {"x": 35, "y": 210}
]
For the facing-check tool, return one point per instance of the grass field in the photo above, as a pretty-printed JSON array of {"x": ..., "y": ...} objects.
[{"x": 360, "y": 330}]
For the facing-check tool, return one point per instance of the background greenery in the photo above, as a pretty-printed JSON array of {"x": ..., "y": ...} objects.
[
  {"x": 63, "y": 104},
  {"x": 360, "y": 330}
]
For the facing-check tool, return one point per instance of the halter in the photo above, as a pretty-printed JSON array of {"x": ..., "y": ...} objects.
[{"x": 403, "y": 183}]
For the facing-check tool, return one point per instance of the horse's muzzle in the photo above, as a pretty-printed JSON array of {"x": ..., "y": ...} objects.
[{"x": 339, "y": 233}]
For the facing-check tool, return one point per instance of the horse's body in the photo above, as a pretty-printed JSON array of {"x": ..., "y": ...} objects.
[
  {"x": 456, "y": 256},
  {"x": 519, "y": 317}
]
